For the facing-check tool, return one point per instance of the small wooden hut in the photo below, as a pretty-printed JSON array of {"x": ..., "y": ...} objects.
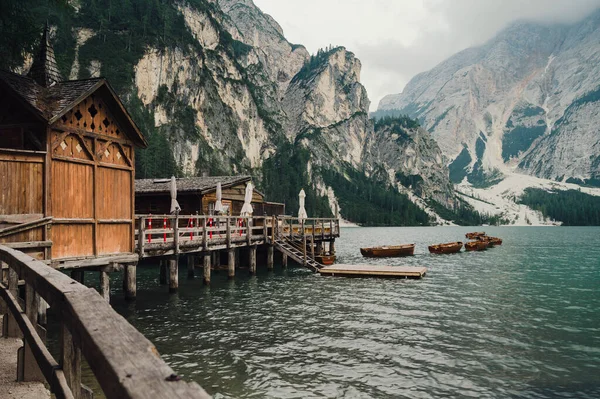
[
  {"x": 199, "y": 194},
  {"x": 67, "y": 164}
]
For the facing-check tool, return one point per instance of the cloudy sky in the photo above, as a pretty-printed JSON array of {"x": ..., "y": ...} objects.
[{"x": 396, "y": 39}]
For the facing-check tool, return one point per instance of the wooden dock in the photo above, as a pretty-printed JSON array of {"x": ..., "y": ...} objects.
[{"x": 373, "y": 271}]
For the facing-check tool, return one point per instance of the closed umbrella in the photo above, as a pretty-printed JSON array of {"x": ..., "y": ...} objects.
[
  {"x": 219, "y": 204},
  {"x": 247, "y": 208},
  {"x": 302, "y": 212},
  {"x": 174, "y": 204}
]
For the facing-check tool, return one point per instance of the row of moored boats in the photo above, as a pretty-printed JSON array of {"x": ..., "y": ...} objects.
[{"x": 479, "y": 242}]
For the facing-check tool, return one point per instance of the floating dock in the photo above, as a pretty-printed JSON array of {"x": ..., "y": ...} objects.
[{"x": 373, "y": 271}]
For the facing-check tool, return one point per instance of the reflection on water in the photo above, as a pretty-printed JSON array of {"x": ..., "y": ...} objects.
[{"x": 521, "y": 320}]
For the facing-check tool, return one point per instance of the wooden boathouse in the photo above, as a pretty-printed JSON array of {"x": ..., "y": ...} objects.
[
  {"x": 67, "y": 161},
  {"x": 67, "y": 168}
]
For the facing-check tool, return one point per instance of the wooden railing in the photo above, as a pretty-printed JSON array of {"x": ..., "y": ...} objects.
[
  {"x": 123, "y": 361},
  {"x": 318, "y": 229},
  {"x": 161, "y": 235}
]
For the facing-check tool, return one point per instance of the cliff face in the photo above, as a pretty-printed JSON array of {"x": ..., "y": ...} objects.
[
  {"x": 217, "y": 88},
  {"x": 524, "y": 101}
]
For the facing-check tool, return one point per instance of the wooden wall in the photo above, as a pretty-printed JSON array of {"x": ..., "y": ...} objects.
[
  {"x": 91, "y": 185},
  {"x": 21, "y": 182}
]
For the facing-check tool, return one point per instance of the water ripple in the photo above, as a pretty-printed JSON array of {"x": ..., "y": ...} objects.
[{"x": 517, "y": 321}]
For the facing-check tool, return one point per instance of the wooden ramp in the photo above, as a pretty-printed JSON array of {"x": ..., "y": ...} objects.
[{"x": 373, "y": 271}]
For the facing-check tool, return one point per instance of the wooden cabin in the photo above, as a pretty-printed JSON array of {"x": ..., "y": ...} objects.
[
  {"x": 199, "y": 194},
  {"x": 67, "y": 164}
]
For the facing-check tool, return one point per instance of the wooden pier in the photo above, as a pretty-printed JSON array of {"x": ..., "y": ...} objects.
[{"x": 373, "y": 271}]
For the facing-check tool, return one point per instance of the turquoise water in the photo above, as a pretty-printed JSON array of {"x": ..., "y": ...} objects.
[{"x": 521, "y": 320}]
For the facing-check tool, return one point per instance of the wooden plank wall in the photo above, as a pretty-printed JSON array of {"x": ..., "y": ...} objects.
[
  {"x": 91, "y": 183},
  {"x": 21, "y": 183}
]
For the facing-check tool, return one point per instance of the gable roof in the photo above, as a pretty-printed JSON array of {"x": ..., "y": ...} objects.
[
  {"x": 50, "y": 103},
  {"x": 200, "y": 185}
]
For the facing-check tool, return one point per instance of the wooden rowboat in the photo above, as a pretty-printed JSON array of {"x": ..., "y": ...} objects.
[
  {"x": 447, "y": 248},
  {"x": 475, "y": 235},
  {"x": 491, "y": 240},
  {"x": 476, "y": 245},
  {"x": 326, "y": 260},
  {"x": 389, "y": 251}
]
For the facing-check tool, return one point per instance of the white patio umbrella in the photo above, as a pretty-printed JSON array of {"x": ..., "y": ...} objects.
[
  {"x": 247, "y": 208},
  {"x": 174, "y": 204},
  {"x": 302, "y": 212},
  {"x": 219, "y": 204}
]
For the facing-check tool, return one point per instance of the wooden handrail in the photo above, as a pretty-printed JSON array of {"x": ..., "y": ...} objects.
[
  {"x": 18, "y": 228},
  {"x": 125, "y": 363}
]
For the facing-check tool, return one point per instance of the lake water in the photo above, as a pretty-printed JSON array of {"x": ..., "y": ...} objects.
[{"x": 521, "y": 320}]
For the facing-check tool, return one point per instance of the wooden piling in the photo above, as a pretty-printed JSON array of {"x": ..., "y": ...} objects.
[
  {"x": 284, "y": 261},
  {"x": 190, "y": 266},
  {"x": 332, "y": 247},
  {"x": 163, "y": 272},
  {"x": 270, "y": 255},
  {"x": 207, "y": 257},
  {"x": 105, "y": 286},
  {"x": 252, "y": 259},
  {"x": 131, "y": 281},
  {"x": 230, "y": 263},
  {"x": 173, "y": 274}
]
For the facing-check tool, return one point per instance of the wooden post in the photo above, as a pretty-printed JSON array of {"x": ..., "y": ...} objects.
[
  {"x": 230, "y": 262},
  {"x": 228, "y": 232},
  {"x": 284, "y": 261},
  {"x": 312, "y": 241},
  {"x": 28, "y": 369},
  {"x": 332, "y": 247},
  {"x": 330, "y": 228},
  {"x": 173, "y": 274},
  {"x": 163, "y": 272},
  {"x": 176, "y": 233},
  {"x": 322, "y": 230},
  {"x": 291, "y": 229},
  {"x": 105, "y": 286},
  {"x": 12, "y": 329},
  {"x": 70, "y": 361},
  {"x": 319, "y": 248},
  {"x": 265, "y": 231},
  {"x": 248, "y": 231},
  {"x": 207, "y": 257},
  {"x": 190, "y": 266},
  {"x": 42, "y": 312},
  {"x": 303, "y": 241},
  {"x": 204, "y": 234},
  {"x": 131, "y": 281},
  {"x": 252, "y": 259},
  {"x": 142, "y": 236},
  {"x": 274, "y": 228},
  {"x": 337, "y": 227},
  {"x": 270, "y": 255}
]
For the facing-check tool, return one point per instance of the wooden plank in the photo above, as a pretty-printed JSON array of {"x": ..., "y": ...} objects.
[
  {"x": 70, "y": 360},
  {"x": 373, "y": 271},
  {"x": 28, "y": 245}
]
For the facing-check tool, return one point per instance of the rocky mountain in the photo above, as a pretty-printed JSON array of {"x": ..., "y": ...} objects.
[
  {"x": 217, "y": 89},
  {"x": 526, "y": 101}
]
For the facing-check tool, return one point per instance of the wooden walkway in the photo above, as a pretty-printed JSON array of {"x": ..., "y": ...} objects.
[{"x": 373, "y": 271}]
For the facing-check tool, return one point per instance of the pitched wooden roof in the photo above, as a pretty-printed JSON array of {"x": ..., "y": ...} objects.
[
  {"x": 200, "y": 185},
  {"x": 49, "y": 98}
]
